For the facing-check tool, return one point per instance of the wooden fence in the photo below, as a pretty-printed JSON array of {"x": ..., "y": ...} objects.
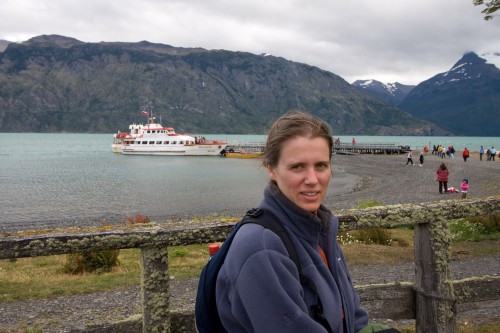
[{"x": 432, "y": 299}]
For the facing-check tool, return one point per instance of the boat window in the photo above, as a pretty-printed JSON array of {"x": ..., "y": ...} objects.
[
  {"x": 158, "y": 142},
  {"x": 151, "y": 142},
  {"x": 181, "y": 142},
  {"x": 166, "y": 142},
  {"x": 174, "y": 142},
  {"x": 144, "y": 142}
]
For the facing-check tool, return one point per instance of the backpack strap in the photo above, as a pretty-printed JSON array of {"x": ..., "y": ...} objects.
[{"x": 269, "y": 221}]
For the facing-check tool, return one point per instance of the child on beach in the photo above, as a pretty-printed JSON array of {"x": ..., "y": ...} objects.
[
  {"x": 464, "y": 187},
  {"x": 409, "y": 159},
  {"x": 421, "y": 158}
]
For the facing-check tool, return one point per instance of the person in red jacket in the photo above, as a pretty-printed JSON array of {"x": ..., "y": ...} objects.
[
  {"x": 442, "y": 177},
  {"x": 465, "y": 154}
]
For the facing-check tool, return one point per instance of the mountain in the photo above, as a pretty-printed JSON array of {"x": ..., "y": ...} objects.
[
  {"x": 3, "y": 44},
  {"x": 392, "y": 93},
  {"x": 464, "y": 100},
  {"x": 55, "y": 83}
]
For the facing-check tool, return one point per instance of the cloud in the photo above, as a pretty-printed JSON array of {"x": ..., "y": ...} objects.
[{"x": 385, "y": 40}]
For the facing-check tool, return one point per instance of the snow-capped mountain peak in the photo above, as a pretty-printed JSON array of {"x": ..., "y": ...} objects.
[
  {"x": 392, "y": 93},
  {"x": 469, "y": 67}
]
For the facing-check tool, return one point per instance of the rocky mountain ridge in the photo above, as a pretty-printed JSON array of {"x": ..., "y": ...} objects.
[{"x": 55, "y": 83}]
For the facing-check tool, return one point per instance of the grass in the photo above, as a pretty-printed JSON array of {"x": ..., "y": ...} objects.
[{"x": 43, "y": 277}]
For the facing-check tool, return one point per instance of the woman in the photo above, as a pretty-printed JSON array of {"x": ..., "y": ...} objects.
[
  {"x": 442, "y": 177},
  {"x": 258, "y": 287}
]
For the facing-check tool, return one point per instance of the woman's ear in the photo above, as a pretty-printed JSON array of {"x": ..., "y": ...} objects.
[{"x": 270, "y": 172}]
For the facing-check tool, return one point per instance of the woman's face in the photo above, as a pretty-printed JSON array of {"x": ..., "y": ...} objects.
[{"x": 303, "y": 171}]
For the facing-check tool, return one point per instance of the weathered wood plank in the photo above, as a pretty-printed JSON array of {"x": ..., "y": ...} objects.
[{"x": 393, "y": 300}]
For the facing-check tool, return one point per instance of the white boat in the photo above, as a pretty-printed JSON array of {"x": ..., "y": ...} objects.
[{"x": 154, "y": 139}]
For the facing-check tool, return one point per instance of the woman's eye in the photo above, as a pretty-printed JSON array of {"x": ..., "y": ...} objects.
[{"x": 322, "y": 166}]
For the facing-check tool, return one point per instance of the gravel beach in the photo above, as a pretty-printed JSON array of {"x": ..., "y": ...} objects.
[
  {"x": 388, "y": 180},
  {"x": 384, "y": 178}
]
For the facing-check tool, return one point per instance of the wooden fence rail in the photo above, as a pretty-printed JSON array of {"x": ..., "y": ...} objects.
[{"x": 432, "y": 299}]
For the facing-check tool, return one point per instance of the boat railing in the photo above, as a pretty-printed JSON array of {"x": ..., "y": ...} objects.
[{"x": 212, "y": 142}]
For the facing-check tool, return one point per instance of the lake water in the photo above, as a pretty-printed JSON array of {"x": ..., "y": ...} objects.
[{"x": 74, "y": 177}]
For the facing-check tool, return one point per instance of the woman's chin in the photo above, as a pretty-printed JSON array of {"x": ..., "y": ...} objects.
[{"x": 310, "y": 207}]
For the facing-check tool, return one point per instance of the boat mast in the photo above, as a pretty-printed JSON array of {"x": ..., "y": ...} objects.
[{"x": 148, "y": 110}]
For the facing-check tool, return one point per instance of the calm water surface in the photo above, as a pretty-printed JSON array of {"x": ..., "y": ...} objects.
[{"x": 54, "y": 177}]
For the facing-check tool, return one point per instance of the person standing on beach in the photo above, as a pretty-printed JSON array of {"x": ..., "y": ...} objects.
[
  {"x": 421, "y": 158},
  {"x": 452, "y": 152},
  {"x": 259, "y": 288},
  {"x": 409, "y": 158},
  {"x": 481, "y": 152},
  {"x": 442, "y": 177},
  {"x": 493, "y": 152},
  {"x": 465, "y": 154}
]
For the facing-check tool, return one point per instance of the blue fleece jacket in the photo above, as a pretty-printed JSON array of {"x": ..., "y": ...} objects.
[{"x": 258, "y": 287}]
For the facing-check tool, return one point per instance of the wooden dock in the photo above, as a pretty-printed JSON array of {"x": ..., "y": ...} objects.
[
  {"x": 369, "y": 148},
  {"x": 341, "y": 149},
  {"x": 246, "y": 148}
]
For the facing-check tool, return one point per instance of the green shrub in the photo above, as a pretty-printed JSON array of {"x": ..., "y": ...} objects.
[
  {"x": 374, "y": 236},
  {"x": 491, "y": 223},
  {"x": 179, "y": 253},
  {"x": 368, "y": 203},
  {"x": 462, "y": 230},
  {"x": 91, "y": 261},
  {"x": 368, "y": 236}
]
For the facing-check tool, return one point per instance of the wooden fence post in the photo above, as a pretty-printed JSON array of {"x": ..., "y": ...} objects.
[
  {"x": 154, "y": 290},
  {"x": 435, "y": 302}
]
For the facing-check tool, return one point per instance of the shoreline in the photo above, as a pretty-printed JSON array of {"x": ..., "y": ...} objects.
[{"x": 382, "y": 178}]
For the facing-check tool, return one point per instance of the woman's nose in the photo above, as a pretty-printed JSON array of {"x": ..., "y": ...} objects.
[{"x": 311, "y": 177}]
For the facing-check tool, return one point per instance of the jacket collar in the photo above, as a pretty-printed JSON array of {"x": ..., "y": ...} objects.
[{"x": 304, "y": 224}]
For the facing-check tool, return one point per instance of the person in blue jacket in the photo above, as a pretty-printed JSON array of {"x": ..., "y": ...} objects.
[{"x": 258, "y": 287}]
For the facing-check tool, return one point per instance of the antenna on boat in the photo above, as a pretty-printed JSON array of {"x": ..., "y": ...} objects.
[{"x": 148, "y": 111}]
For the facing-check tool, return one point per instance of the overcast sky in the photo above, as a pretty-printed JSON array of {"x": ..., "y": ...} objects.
[{"x": 387, "y": 40}]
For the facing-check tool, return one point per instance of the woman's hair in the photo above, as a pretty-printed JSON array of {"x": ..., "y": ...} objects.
[
  {"x": 293, "y": 124},
  {"x": 442, "y": 166}
]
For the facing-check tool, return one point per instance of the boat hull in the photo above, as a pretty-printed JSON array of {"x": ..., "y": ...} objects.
[{"x": 196, "y": 150}]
